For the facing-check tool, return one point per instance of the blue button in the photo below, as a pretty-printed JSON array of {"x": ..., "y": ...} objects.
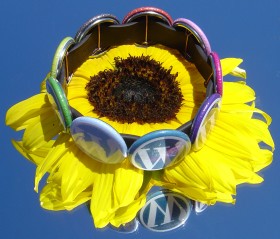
[
  {"x": 165, "y": 211},
  {"x": 98, "y": 140},
  {"x": 159, "y": 149}
]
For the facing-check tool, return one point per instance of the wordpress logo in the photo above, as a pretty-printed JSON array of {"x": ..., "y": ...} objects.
[
  {"x": 165, "y": 211},
  {"x": 159, "y": 152}
]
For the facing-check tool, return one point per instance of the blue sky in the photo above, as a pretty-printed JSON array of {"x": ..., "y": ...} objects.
[{"x": 30, "y": 32}]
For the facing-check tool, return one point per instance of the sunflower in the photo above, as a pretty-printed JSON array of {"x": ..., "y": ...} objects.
[
  {"x": 135, "y": 89},
  {"x": 87, "y": 87}
]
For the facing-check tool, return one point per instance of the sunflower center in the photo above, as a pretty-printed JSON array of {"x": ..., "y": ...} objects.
[{"x": 138, "y": 90}]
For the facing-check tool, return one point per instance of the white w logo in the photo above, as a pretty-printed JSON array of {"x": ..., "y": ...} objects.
[
  {"x": 165, "y": 212},
  {"x": 152, "y": 156}
]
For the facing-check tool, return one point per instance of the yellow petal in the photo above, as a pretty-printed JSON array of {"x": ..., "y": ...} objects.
[
  {"x": 238, "y": 138},
  {"x": 77, "y": 175},
  {"x": 127, "y": 183},
  {"x": 52, "y": 158},
  {"x": 21, "y": 114},
  {"x": 101, "y": 206},
  {"x": 239, "y": 72},
  {"x": 126, "y": 214},
  {"x": 45, "y": 127},
  {"x": 229, "y": 64},
  {"x": 122, "y": 183},
  {"x": 235, "y": 93},
  {"x": 232, "y": 154},
  {"x": 36, "y": 156},
  {"x": 51, "y": 199}
]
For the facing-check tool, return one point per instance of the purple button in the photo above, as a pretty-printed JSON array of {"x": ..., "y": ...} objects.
[
  {"x": 205, "y": 120},
  {"x": 195, "y": 30}
]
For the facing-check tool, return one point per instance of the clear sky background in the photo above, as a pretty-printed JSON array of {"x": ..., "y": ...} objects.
[{"x": 30, "y": 32}]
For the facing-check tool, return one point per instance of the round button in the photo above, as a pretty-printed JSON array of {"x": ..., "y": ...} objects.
[
  {"x": 204, "y": 121},
  {"x": 217, "y": 71},
  {"x": 195, "y": 31},
  {"x": 58, "y": 63},
  {"x": 199, "y": 207},
  {"x": 59, "y": 101},
  {"x": 165, "y": 211},
  {"x": 159, "y": 149},
  {"x": 93, "y": 22},
  {"x": 98, "y": 140},
  {"x": 148, "y": 11}
]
